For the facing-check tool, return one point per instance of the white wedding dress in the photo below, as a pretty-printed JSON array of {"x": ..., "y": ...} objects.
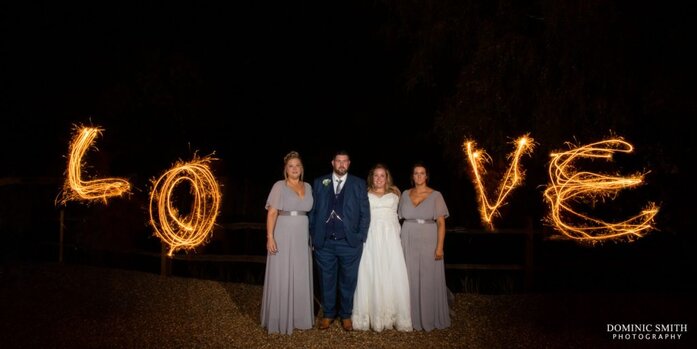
[{"x": 382, "y": 300}]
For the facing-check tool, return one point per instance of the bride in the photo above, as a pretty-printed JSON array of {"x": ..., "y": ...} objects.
[{"x": 381, "y": 300}]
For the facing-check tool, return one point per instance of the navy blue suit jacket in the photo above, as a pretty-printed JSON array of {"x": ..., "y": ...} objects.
[{"x": 356, "y": 216}]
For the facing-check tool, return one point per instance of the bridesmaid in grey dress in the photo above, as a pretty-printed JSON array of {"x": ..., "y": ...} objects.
[
  {"x": 287, "y": 299},
  {"x": 423, "y": 232}
]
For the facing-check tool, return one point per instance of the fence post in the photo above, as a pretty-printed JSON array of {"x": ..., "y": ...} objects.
[
  {"x": 61, "y": 234},
  {"x": 164, "y": 261},
  {"x": 529, "y": 239}
]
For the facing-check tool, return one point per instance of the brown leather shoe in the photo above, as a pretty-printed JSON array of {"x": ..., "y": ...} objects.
[
  {"x": 347, "y": 324},
  {"x": 324, "y": 323}
]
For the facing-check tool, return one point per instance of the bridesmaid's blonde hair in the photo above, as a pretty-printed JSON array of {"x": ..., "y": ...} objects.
[
  {"x": 290, "y": 156},
  {"x": 389, "y": 185}
]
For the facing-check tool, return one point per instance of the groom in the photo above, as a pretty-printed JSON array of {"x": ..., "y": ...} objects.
[{"x": 339, "y": 226}]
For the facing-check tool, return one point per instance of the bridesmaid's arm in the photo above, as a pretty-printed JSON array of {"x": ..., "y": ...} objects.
[
  {"x": 441, "y": 237},
  {"x": 270, "y": 226}
]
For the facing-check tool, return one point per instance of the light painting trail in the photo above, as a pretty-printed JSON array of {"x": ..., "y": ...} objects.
[
  {"x": 567, "y": 186},
  {"x": 75, "y": 188},
  {"x": 512, "y": 178},
  {"x": 193, "y": 229}
]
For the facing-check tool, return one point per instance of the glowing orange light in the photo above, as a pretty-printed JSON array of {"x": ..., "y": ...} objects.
[
  {"x": 512, "y": 178},
  {"x": 97, "y": 189},
  {"x": 193, "y": 229},
  {"x": 568, "y": 185}
]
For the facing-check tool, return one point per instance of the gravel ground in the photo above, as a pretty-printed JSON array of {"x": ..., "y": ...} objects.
[{"x": 73, "y": 306}]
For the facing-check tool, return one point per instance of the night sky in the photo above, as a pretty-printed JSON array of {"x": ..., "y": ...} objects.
[
  {"x": 164, "y": 81},
  {"x": 406, "y": 82}
]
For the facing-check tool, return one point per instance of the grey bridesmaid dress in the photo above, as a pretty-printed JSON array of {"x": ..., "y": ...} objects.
[
  {"x": 287, "y": 301},
  {"x": 427, "y": 288}
]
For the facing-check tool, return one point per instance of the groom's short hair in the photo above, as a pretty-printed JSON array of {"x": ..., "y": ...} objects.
[{"x": 340, "y": 152}]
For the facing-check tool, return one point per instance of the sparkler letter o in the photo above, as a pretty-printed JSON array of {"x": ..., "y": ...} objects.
[{"x": 191, "y": 230}]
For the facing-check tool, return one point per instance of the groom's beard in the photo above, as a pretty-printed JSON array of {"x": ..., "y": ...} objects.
[{"x": 340, "y": 171}]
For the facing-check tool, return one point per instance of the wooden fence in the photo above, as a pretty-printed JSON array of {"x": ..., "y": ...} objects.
[
  {"x": 524, "y": 265},
  {"x": 522, "y": 244}
]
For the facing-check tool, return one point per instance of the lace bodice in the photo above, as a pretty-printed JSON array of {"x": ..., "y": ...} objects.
[{"x": 383, "y": 207}]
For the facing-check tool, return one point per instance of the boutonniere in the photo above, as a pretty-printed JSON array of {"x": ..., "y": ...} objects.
[{"x": 326, "y": 181}]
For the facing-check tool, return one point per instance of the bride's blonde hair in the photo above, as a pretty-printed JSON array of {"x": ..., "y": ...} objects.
[{"x": 389, "y": 185}]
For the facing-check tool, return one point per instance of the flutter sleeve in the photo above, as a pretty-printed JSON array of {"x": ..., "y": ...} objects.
[
  {"x": 275, "y": 198},
  {"x": 441, "y": 208}
]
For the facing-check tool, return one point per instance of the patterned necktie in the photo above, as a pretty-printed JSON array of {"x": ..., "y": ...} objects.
[{"x": 338, "y": 186}]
